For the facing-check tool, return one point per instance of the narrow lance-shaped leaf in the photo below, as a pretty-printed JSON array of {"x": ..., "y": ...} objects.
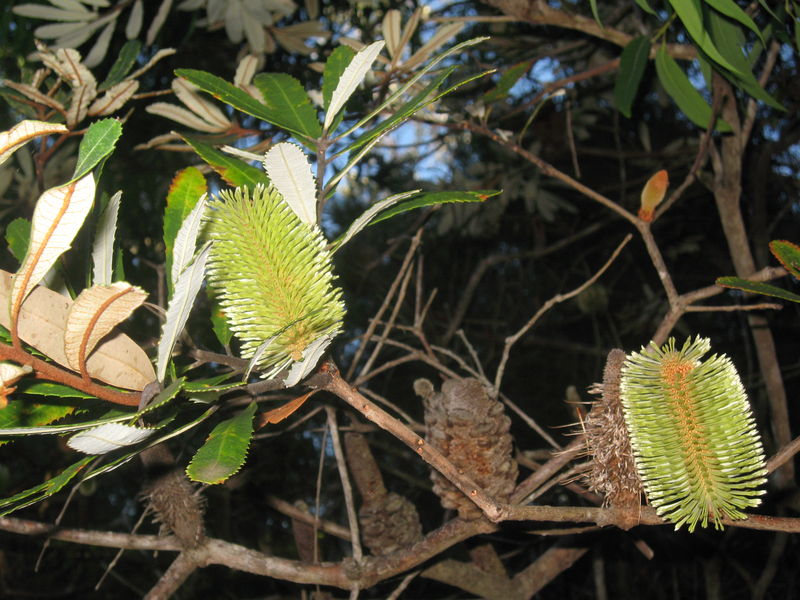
[
  {"x": 631, "y": 68},
  {"x": 103, "y": 247},
  {"x": 290, "y": 173},
  {"x": 186, "y": 240},
  {"x": 434, "y": 198},
  {"x": 43, "y": 490},
  {"x": 334, "y": 67},
  {"x": 108, "y": 437},
  {"x": 234, "y": 171},
  {"x": 757, "y": 287},
  {"x": 225, "y": 449},
  {"x": 352, "y": 76},
  {"x": 58, "y": 216},
  {"x": 24, "y": 132},
  {"x": 368, "y": 215},
  {"x": 95, "y": 312},
  {"x": 184, "y": 192},
  {"x": 180, "y": 306},
  {"x": 285, "y": 95}
]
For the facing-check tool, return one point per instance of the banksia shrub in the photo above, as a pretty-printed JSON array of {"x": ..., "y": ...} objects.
[
  {"x": 472, "y": 431},
  {"x": 272, "y": 275},
  {"x": 697, "y": 449},
  {"x": 611, "y": 469}
]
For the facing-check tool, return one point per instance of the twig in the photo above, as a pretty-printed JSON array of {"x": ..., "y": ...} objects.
[
  {"x": 385, "y": 304},
  {"x": 403, "y": 585},
  {"x": 558, "y": 298},
  {"x": 336, "y": 385},
  {"x": 783, "y": 455},
  {"x": 318, "y": 489},
  {"x": 352, "y": 517},
  {"x": 184, "y": 565},
  {"x": 530, "y": 422},
  {"x": 290, "y": 510}
]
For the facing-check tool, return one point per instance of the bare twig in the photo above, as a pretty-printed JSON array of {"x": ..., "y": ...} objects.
[
  {"x": 184, "y": 565},
  {"x": 290, "y": 510},
  {"x": 558, "y": 298},
  {"x": 341, "y": 464}
]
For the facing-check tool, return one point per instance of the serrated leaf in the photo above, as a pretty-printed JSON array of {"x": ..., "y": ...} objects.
[
  {"x": 186, "y": 240},
  {"x": 288, "y": 169},
  {"x": 351, "y": 78},
  {"x": 95, "y": 312},
  {"x": 183, "y": 116},
  {"x": 234, "y": 171},
  {"x": 24, "y": 132},
  {"x": 757, "y": 287},
  {"x": 241, "y": 100},
  {"x": 186, "y": 189},
  {"x": 180, "y": 305},
  {"x": 631, "y": 68},
  {"x": 334, "y": 67},
  {"x": 58, "y": 216},
  {"x": 285, "y": 95},
  {"x": 225, "y": 449},
  {"x": 18, "y": 236},
  {"x": 43, "y": 490},
  {"x": 788, "y": 254},
  {"x": 433, "y": 198},
  {"x": 55, "y": 390},
  {"x": 108, "y": 437},
  {"x": 103, "y": 245},
  {"x": 684, "y": 94},
  {"x": 368, "y": 216},
  {"x": 98, "y": 142},
  {"x": 126, "y": 59},
  {"x": 118, "y": 360},
  {"x": 507, "y": 80}
]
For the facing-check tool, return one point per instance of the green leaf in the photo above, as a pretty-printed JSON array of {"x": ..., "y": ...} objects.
[
  {"x": 788, "y": 254},
  {"x": 757, "y": 287},
  {"x": 43, "y": 490},
  {"x": 631, "y": 68},
  {"x": 683, "y": 92},
  {"x": 219, "y": 324},
  {"x": 234, "y": 171},
  {"x": 595, "y": 13},
  {"x": 18, "y": 236},
  {"x": 730, "y": 40},
  {"x": 507, "y": 81},
  {"x": 646, "y": 7},
  {"x": 730, "y": 9},
  {"x": 47, "y": 388},
  {"x": 241, "y": 100},
  {"x": 97, "y": 143},
  {"x": 334, "y": 67},
  {"x": 184, "y": 192},
  {"x": 434, "y": 198},
  {"x": 225, "y": 450},
  {"x": 122, "y": 66},
  {"x": 23, "y": 413},
  {"x": 691, "y": 15},
  {"x": 285, "y": 95}
]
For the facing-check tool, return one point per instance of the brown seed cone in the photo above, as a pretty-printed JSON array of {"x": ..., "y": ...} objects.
[
  {"x": 612, "y": 470},
  {"x": 174, "y": 501},
  {"x": 389, "y": 524},
  {"x": 472, "y": 431}
]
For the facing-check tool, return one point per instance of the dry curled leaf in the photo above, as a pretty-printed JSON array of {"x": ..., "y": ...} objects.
[
  {"x": 42, "y": 320},
  {"x": 95, "y": 312},
  {"x": 24, "y": 132}
]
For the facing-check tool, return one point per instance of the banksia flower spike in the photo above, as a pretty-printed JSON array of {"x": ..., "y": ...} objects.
[
  {"x": 273, "y": 277},
  {"x": 693, "y": 434}
]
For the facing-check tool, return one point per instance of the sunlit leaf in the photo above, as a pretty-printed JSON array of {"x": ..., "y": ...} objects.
[
  {"x": 108, "y": 437},
  {"x": 24, "y": 132},
  {"x": 97, "y": 143},
  {"x": 225, "y": 449},
  {"x": 58, "y": 216},
  {"x": 95, "y": 312},
  {"x": 180, "y": 306},
  {"x": 184, "y": 192},
  {"x": 234, "y": 171},
  {"x": 691, "y": 15},
  {"x": 103, "y": 246},
  {"x": 288, "y": 169},
  {"x": 434, "y": 198},
  {"x": 186, "y": 240},
  {"x": 368, "y": 215},
  {"x": 350, "y": 79},
  {"x": 285, "y": 96}
]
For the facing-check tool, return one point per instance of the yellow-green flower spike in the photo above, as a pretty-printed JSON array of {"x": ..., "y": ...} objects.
[
  {"x": 272, "y": 275},
  {"x": 693, "y": 434}
]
